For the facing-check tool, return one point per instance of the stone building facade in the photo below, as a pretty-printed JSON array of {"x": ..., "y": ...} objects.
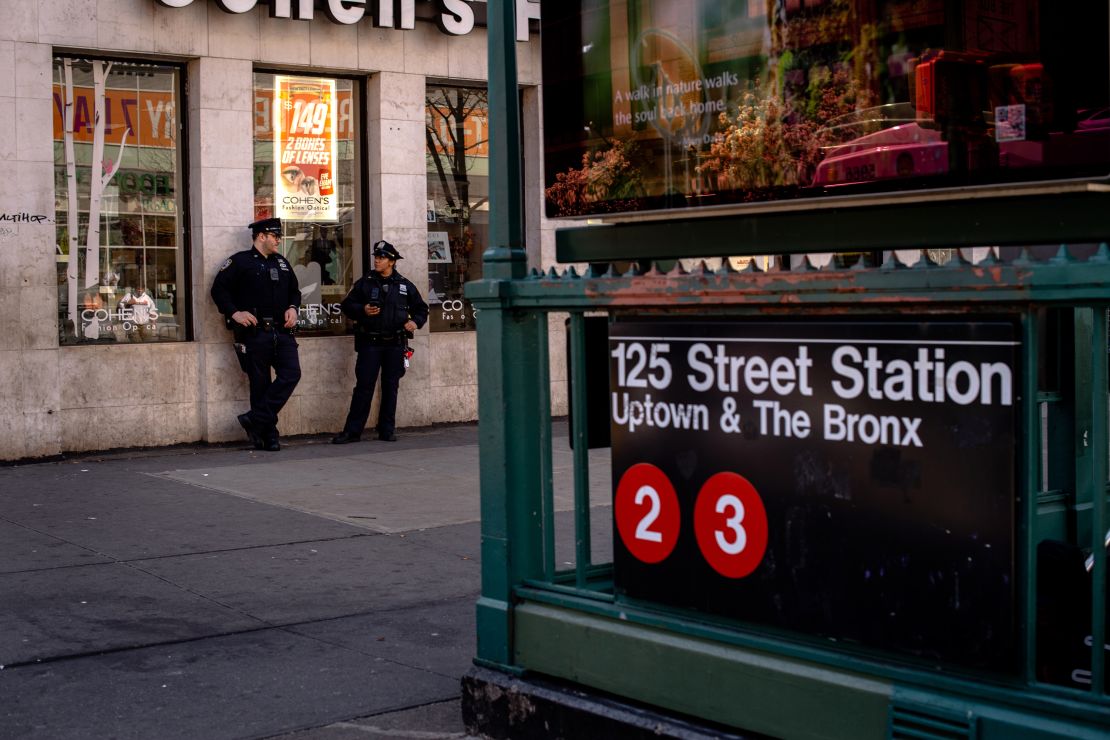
[{"x": 186, "y": 156}]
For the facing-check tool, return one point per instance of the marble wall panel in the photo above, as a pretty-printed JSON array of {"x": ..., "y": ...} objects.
[
  {"x": 327, "y": 366},
  {"x": 333, "y": 45},
  {"x": 36, "y": 189},
  {"x": 403, "y": 147},
  {"x": 396, "y": 96},
  {"x": 315, "y": 414},
  {"x": 21, "y": 20},
  {"x": 467, "y": 56},
  {"x": 38, "y": 316},
  {"x": 178, "y": 423},
  {"x": 223, "y": 85},
  {"x": 454, "y": 403},
  {"x": 225, "y": 379},
  {"x": 532, "y": 140},
  {"x": 380, "y": 49},
  {"x": 41, "y": 381},
  {"x": 33, "y": 75},
  {"x": 107, "y": 428},
  {"x": 414, "y": 407},
  {"x": 125, "y": 24},
  {"x": 226, "y": 140},
  {"x": 220, "y": 424},
  {"x": 7, "y": 69},
  {"x": 557, "y": 345},
  {"x": 11, "y": 333},
  {"x": 528, "y": 62},
  {"x": 36, "y": 250},
  {"x": 128, "y": 375},
  {"x": 226, "y": 196},
  {"x": 425, "y": 51},
  {"x": 12, "y": 434},
  {"x": 285, "y": 41},
  {"x": 559, "y": 404},
  {"x": 403, "y": 201},
  {"x": 41, "y": 435},
  {"x": 10, "y": 256},
  {"x": 454, "y": 359},
  {"x": 182, "y": 30},
  {"x": 8, "y": 152},
  {"x": 33, "y": 123},
  {"x": 234, "y": 35},
  {"x": 11, "y": 370},
  {"x": 68, "y": 22}
]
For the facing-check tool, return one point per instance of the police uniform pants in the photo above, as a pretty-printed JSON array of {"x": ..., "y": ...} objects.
[
  {"x": 266, "y": 349},
  {"x": 390, "y": 360}
]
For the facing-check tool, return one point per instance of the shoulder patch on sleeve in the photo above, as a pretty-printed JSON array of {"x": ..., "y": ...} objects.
[{"x": 226, "y": 264}]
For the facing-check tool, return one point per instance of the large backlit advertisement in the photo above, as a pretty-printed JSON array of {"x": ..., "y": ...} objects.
[
  {"x": 305, "y": 149},
  {"x": 678, "y": 104}
]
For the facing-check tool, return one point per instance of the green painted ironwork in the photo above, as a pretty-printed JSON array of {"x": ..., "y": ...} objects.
[
  {"x": 1067, "y": 215},
  {"x": 569, "y": 624}
]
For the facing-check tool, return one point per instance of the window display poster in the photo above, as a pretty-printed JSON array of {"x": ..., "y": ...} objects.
[
  {"x": 439, "y": 247},
  {"x": 305, "y": 149}
]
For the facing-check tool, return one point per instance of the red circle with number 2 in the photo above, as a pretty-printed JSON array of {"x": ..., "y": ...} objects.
[
  {"x": 730, "y": 524},
  {"x": 646, "y": 510}
]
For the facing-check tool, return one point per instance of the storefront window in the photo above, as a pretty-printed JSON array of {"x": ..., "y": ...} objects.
[
  {"x": 117, "y": 164},
  {"x": 306, "y": 172},
  {"x": 458, "y": 200}
]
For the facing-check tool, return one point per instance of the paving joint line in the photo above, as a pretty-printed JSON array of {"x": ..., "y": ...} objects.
[
  {"x": 263, "y": 627},
  {"x": 112, "y": 560}
]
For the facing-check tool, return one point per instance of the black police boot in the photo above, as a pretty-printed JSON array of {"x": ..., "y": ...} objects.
[
  {"x": 252, "y": 432},
  {"x": 271, "y": 442},
  {"x": 344, "y": 438},
  {"x": 387, "y": 436}
]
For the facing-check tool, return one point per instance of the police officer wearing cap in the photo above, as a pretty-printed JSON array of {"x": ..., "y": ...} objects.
[
  {"x": 387, "y": 309},
  {"x": 257, "y": 292}
]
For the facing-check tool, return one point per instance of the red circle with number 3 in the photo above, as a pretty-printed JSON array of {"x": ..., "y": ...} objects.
[
  {"x": 646, "y": 510},
  {"x": 730, "y": 524}
]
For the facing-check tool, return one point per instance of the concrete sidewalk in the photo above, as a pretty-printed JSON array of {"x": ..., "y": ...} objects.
[{"x": 220, "y": 592}]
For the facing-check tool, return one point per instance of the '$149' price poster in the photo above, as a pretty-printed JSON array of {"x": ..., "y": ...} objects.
[{"x": 305, "y": 149}]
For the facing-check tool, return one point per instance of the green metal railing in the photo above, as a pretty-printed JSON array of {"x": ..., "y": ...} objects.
[
  {"x": 535, "y": 617},
  {"x": 1060, "y": 295}
]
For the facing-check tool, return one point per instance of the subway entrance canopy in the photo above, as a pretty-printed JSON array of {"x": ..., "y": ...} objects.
[{"x": 851, "y": 258}]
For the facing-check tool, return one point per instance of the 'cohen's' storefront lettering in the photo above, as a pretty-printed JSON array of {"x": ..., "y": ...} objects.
[{"x": 453, "y": 17}]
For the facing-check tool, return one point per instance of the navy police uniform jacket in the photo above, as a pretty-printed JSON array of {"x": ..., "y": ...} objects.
[
  {"x": 263, "y": 286},
  {"x": 399, "y": 300}
]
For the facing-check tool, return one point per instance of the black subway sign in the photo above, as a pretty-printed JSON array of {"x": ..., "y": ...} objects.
[{"x": 853, "y": 481}]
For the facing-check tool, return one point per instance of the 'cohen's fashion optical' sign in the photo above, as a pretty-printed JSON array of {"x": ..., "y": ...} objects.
[{"x": 454, "y": 17}]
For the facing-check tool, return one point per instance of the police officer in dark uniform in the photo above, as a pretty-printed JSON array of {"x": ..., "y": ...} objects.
[
  {"x": 387, "y": 309},
  {"x": 256, "y": 290}
]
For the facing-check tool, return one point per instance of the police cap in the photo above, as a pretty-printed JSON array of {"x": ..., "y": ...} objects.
[
  {"x": 385, "y": 249},
  {"x": 266, "y": 226}
]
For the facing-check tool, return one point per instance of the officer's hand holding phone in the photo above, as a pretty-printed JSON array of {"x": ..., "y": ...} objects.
[
  {"x": 244, "y": 318},
  {"x": 372, "y": 310}
]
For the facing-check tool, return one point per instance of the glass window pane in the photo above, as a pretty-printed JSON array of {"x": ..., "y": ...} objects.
[
  {"x": 684, "y": 103},
  {"x": 135, "y": 196},
  {"x": 456, "y": 120},
  {"x": 323, "y": 243}
]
